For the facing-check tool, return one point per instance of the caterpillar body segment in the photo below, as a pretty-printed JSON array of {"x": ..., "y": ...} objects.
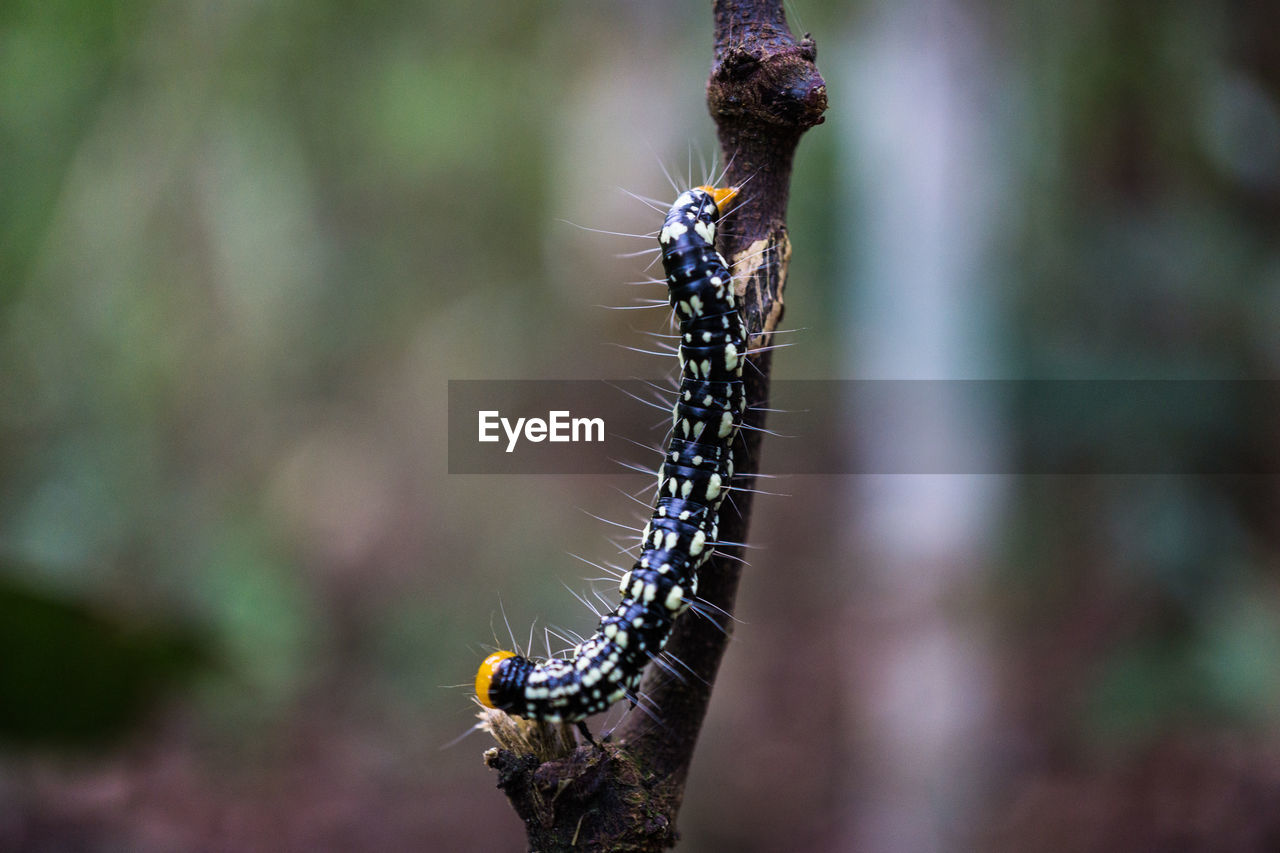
[{"x": 693, "y": 480}]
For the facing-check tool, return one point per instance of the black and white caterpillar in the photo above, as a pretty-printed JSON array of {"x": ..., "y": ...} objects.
[{"x": 692, "y": 483}]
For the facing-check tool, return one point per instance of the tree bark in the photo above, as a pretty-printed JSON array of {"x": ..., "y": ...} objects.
[{"x": 764, "y": 92}]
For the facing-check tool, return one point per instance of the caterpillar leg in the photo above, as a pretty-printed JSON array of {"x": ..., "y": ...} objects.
[{"x": 586, "y": 733}]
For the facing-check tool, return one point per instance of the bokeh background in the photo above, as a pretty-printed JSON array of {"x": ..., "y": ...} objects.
[{"x": 244, "y": 245}]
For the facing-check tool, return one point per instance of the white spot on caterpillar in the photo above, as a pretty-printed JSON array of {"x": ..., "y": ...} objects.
[
  {"x": 730, "y": 357},
  {"x": 674, "y": 598},
  {"x": 671, "y": 231},
  {"x": 697, "y": 543},
  {"x": 713, "y": 487},
  {"x": 705, "y": 230}
]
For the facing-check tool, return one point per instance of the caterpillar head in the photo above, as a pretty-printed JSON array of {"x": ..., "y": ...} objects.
[
  {"x": 696, "y": 211},
  {"x": 494, "y": 674},
  {"x": 721, "y": 196}
]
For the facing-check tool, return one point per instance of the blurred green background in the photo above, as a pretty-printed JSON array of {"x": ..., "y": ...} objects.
[{"x": 244, "y": 245}]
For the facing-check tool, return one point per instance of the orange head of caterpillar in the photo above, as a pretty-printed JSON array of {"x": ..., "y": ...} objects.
[
  {"x": 722, "y": 195},
  {"x": 485, "y": 675}
]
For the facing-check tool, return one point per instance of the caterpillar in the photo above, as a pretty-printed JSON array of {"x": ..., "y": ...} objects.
[{"x": 693, "y": 480}]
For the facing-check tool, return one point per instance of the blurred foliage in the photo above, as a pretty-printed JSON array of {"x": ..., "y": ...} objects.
[
  {"x": 242, "y": 247},
  {"x": 1149, "y": 249},
  {"x": 73, "y": 675}
]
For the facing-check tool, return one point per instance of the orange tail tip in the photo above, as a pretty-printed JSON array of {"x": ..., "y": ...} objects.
[
  {"x": 722, "y": 195},
  {"x": 484, "y": 676}
]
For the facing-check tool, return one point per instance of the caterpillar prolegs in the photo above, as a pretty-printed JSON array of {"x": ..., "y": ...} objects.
[{"x": 692, "y": 483}]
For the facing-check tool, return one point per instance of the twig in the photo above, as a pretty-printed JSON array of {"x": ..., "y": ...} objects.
[{"x": 764, "y": 92}]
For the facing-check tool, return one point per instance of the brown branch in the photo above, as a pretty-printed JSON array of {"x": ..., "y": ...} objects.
[{"x": 764, "y": 92}]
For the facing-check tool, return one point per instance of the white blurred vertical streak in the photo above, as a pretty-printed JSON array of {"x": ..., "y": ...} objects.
[{"x": 918, "y": 131}]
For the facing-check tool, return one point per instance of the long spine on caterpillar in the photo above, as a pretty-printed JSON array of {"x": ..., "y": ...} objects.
[{"x": 692, "y": 483}]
